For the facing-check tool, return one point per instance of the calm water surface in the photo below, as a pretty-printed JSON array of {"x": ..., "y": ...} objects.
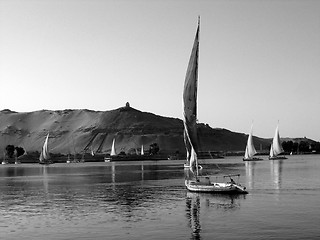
[{"x": 148, "y": 200}]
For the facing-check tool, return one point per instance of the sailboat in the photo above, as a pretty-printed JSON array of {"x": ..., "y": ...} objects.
[
  {"x": 17, "y": 161},
  {"x": 92, "y": 152},
  {"x": 250, "y": 149},
  {"x": 113, "y": 151},
  {"x": 199, "y": 183},
  {"x": 5, "y": 160},
  {"x": 45, "y": 155},
  {"x": 276, "y": 148},
  {"x": 68, "y": 159}
]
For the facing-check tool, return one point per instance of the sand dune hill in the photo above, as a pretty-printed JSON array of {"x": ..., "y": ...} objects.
[{"x": 78, "y": 131}]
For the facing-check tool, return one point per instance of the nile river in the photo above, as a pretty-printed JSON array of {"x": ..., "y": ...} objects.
[{"x": 148, "y": 200}]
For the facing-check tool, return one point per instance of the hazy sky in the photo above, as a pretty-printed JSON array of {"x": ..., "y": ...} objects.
[{"x": 259, "y": 60}]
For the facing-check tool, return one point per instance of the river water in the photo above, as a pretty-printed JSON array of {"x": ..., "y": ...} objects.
[{"x": 148, "y": 200}]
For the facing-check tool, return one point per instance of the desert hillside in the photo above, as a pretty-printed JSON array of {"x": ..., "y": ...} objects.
[{"x": 78, "y": 131}]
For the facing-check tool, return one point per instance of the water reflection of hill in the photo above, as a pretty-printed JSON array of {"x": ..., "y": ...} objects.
[{"x": 71, "y": 190}]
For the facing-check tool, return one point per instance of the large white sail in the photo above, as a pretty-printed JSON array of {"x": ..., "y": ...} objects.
[
  {"x": 44, "y": 155},
  {"x": 113, "y": 149},
  {"x": 190, "y": 101},
  {"x": 276, "y": 147},
  {"x": 250, "y": 149}
]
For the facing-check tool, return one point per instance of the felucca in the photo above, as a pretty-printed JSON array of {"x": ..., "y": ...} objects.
[
  {"x": 199, "y": 183},
  {"x": 113, "y": 151},
  {"x": 250, "y": 149},
  {"x": 45, "y": 155},
  {"x": 276, "y": 148}
]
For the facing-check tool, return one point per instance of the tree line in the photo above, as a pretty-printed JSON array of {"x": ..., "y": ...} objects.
[
  {"x": 300, "y": 147},
  {"x": 12, "y": 151}
]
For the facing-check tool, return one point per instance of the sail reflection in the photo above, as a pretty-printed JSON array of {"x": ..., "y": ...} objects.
[
  {"x": 196, "y": 203},
  {"x": 250, "y": 165},
  {"x": 45, "y": 178},
  {"x": 142, "y": 171},
  {"x": 193, "y": 215},
  {"x": 276, "y": 172},
  {"x": 113, "y": 172}
]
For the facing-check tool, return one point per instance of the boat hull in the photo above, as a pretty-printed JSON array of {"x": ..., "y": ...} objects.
[
  {"x": 226, "y": 188},
  {"x": 134, "y": 158},
  {"x": 277, "y": 158},
  {"x": 252, "y": 159},
  {"x": 46, "y": 163},
  {"x": 187, "y": 166}
]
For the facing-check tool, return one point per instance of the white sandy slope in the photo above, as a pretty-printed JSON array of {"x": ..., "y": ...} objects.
[{"x": 73, "y": 131}]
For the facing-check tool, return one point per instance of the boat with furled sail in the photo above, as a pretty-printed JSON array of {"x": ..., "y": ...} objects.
[
  {"x": 276, "y": 148},
  {"x": 45, "y": 155},
  {"x": 250, "y": 149},
  {"x": 199, "y": 183}
]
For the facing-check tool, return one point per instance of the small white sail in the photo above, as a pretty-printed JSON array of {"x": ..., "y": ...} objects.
[
  {"x": 45, "y": 156},
  {"x": 142, "y": 151},
  {"x": 113, "y": 149},
  {"x": 250, "y": 149},
  {"x": 92, "y": 152}
]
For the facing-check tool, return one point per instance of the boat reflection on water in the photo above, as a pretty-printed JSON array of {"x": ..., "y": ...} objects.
[
  {"x": 276, "y": 172},
  {"x": 193, "y": 214},
  {"x": 250, "y": 165},
  {"x": 113, "y": 174},
  {"x": 139, "y": 172},
  {"x": 200, "y": 203},
  {"x": 45, "y": 178}
]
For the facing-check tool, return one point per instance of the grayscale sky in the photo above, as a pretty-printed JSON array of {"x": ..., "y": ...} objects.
[{"x": 259, "y": 60}]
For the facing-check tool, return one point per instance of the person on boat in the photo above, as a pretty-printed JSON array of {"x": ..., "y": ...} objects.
[{"x": 232, "y": 181}]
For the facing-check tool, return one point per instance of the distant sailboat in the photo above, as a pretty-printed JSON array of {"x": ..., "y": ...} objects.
[
  {"x": 142, "y": 151},
  {"x": 45, "y": 155},
  {"x": 68, "y": 159},
  {"x": 113, "y": 151},
  {"x": 92, "y": 153},
  {"x": 250, "y": 149},
  {"x": 17, "y": 161},
  {"x": 5, "y": 160},
  {"x": 200, "y": 183},
  {"x": 276, "y": 148}
]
